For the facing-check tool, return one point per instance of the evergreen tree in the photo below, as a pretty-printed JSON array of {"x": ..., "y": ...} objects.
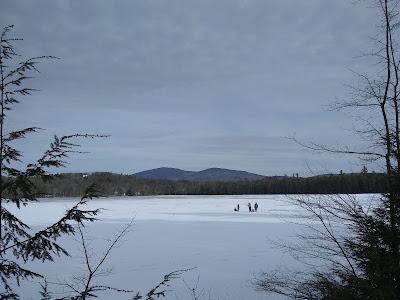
[{"x": 18, "y": 242}]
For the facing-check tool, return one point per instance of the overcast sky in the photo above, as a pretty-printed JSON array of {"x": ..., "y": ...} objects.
[{"x": 192, "y": 84}]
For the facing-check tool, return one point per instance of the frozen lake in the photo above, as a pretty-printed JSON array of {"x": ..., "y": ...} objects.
[{"x": 226, "y": 248}]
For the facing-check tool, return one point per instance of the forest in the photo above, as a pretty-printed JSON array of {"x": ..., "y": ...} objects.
[{"x": 72, "y": 185}]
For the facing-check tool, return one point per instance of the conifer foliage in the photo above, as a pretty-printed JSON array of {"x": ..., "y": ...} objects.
[{"x": 18, "y": 242}]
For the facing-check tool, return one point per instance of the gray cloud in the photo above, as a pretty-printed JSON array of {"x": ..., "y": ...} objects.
[{"x": 191, "y": 84}]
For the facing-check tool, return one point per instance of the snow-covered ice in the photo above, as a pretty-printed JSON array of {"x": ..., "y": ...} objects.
[
  {"x": 272, "y": 209},
  {"x": 226, "y": 248}
]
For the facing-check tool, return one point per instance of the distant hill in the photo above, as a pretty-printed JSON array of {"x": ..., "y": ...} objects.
[
  {"x": 164, "y": 174},
  {"x": 212, "y": 174}
]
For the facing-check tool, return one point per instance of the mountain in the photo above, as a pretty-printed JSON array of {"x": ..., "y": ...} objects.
[
  {"x": 212, "y": 174},
  {"x": 164, "y": 174}
]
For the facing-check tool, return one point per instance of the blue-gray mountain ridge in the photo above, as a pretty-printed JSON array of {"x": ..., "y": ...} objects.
[{"x": 212, "y": 174}]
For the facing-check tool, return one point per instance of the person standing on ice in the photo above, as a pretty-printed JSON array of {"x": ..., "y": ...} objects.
[
  {"x": 249, "y": 205},
  {"x": 255, "y": 206},
  {"x": 238, "y": 207}
]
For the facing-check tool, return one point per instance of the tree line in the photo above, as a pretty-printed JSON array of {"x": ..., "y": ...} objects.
[{"x": 73, "y": 184}]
